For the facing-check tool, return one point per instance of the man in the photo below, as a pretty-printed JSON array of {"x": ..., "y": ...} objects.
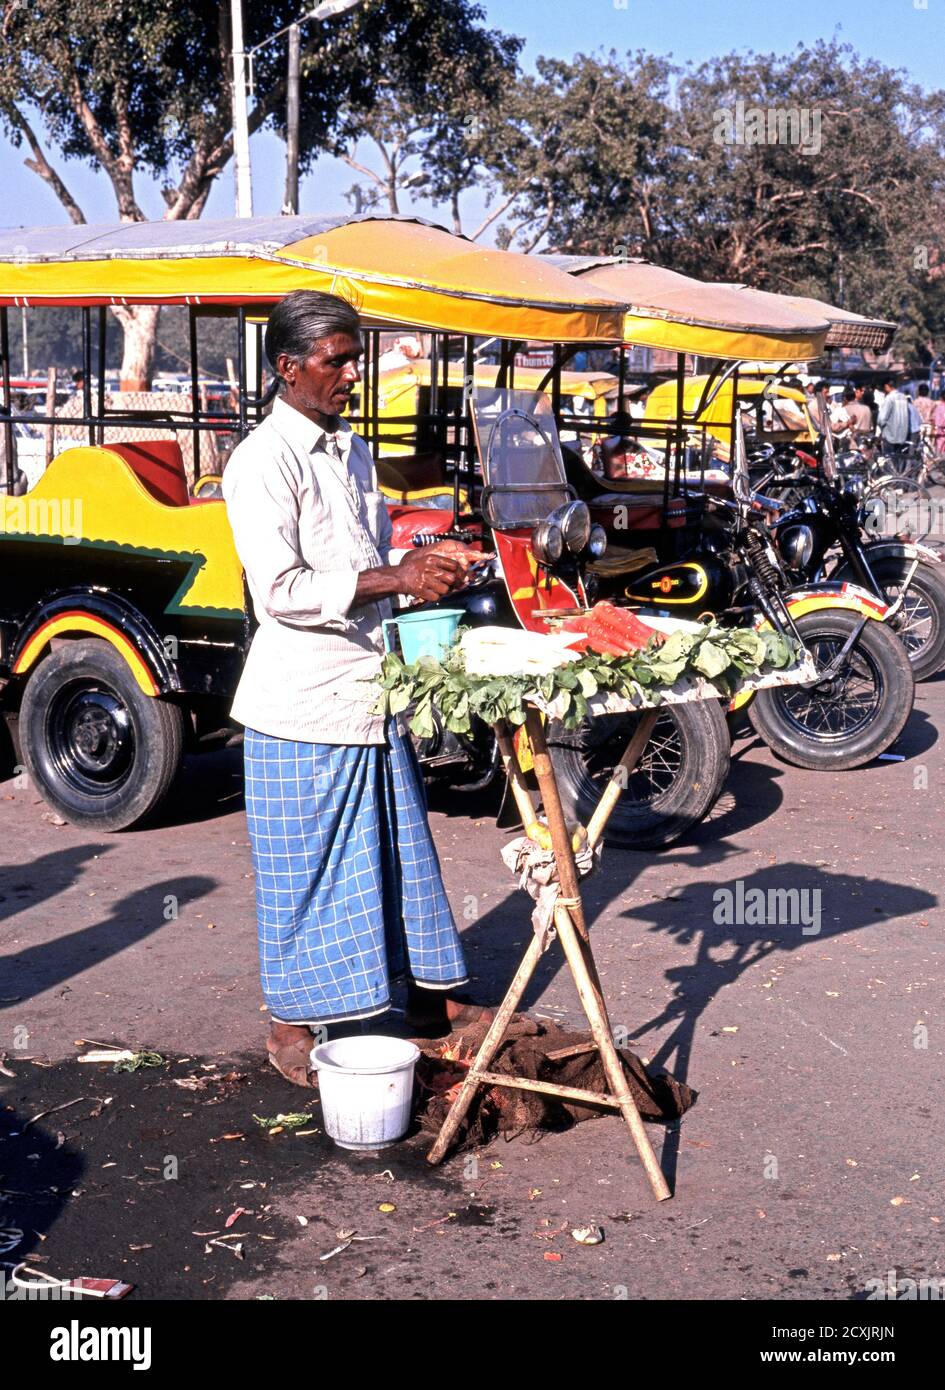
[
  {"x": 923, "y": 406},
  {"x": 893, "y": 420},
  {"x": 819, "y": 405},
  {"x": 858, "y": 412},
  {"x": 348, "y": 888}
]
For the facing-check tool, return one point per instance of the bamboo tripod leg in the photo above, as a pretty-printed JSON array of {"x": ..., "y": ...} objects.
[
  {"x": 493, "y": 1039},
  {"x": 577, "y": 953},
  {"x": 490, "y": 1046},
  {"x": 621, "y": 776},
  {"x": 517, "y": 783},
  {"x": 576, "y": 943}
]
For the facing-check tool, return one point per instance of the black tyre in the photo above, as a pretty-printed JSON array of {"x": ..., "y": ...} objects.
[
  {"x": 920, "y": 622},
  {"x": 675, "y": 784},
  {"x": 102, "y": 753},
  {"x": 851, "y": 719}
]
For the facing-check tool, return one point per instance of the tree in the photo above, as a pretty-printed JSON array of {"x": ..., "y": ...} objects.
[
  {"x": 427, "y": 139},
  {"x": 577, "y": 155},
  {"x": 777, "y": 171},
  {"x": 857, "y": 197},
  {"x": 142, "y": 87}
]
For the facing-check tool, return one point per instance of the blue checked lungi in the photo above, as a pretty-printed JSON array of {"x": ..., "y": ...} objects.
[{"x": 348, "y": 888}]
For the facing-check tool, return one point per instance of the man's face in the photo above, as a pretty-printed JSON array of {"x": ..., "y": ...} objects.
[{"x": 322, "y": 384}]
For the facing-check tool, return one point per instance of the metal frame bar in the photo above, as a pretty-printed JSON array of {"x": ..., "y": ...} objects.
[
  {"x": 10, "y": 482},
  {"x": 241, "y": 367},
  {"x": 100, "y": 388},
  {"x": 87, "y": 367},
  {"x": 194, "y": 386}
]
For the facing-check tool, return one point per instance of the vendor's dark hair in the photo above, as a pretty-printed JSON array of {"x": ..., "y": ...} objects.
[{"x": 298, "y": 321}]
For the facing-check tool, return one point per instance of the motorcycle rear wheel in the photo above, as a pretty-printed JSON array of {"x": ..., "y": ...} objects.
[
  {"x": 920, "y": 625},
  {"x": 857, "y": 716},
  {"x": 675, "y": 784}
]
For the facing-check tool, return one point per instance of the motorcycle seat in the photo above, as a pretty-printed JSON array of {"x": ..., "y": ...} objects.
[{"x": 618, "y": 559}]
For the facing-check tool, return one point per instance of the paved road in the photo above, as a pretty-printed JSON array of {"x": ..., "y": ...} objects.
[{"x": 810, "y": 1164}]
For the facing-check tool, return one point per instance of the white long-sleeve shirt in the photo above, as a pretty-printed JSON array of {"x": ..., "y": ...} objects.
[{"x": 306, "y": 523}]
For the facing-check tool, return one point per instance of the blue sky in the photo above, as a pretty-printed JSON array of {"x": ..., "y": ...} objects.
[{"x": 902, "y": 33}]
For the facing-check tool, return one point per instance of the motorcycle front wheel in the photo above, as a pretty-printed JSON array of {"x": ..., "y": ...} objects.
[
  {"x": 674, "y": 785},
  {"x": 849, "y": 720}
]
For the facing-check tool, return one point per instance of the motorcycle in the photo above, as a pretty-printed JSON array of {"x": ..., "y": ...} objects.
[
  {"x": 719, "y": 558},
  {"x": 551, "y": 557},
  {"x": 825, "y": 533}
]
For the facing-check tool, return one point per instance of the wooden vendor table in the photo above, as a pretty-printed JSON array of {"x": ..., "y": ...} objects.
[{"x": 569, "y": 918}]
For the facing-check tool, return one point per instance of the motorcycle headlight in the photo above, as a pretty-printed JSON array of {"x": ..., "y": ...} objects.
[
  {"x": 547, "y": 542},
  {"x": 597, "y": 542},
  {"x": 574, "y": 522},
  {"x": 796, "y": 545}
]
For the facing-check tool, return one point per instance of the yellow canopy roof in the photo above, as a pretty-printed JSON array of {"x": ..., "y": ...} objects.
[
  {"x": 397, "y": 271},
  {"x": 669, "y": 310},
  {"x": 846, "y": 329}
]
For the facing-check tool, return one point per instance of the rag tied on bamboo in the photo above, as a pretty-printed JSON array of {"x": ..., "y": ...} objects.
[{"x": 538, "y": 875}]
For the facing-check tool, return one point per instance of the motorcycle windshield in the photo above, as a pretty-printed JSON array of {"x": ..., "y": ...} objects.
[
  {"x": 520, "y": 455},
  {"x": 820, "y": 417}
]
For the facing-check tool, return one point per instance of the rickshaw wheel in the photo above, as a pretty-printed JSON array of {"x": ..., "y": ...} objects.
[
  {"x": 101, "y": 752},
  {"x": 678, "y": 779}
]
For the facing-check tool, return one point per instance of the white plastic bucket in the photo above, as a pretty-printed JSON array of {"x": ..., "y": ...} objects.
[{"x": 366, "y": 1089}]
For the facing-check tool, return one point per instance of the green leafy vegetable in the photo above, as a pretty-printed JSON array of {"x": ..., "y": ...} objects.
[{"x": 723, "y": 656}]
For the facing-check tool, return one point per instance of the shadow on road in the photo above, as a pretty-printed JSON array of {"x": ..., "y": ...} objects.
[
  {"x": 29, "y": 1206},
  {"x": 38, "y": 968},
  {"x": 700, "y": 914},
  {"x": 34, "y": 881},
  {"x": 694, "y": 915}
]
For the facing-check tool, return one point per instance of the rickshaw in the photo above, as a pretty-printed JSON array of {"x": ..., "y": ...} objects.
[
  {"x": 123, "y": 615},
  {"x": 404, "y": 398}
]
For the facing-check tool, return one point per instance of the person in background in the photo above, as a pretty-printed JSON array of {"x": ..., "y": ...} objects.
[
  {"x": 937, "y": 425},
  {"x": 893, "y": 419},
  {"x": 923, "y": 406},
  {"x": 858, "y": 413},
  {"x": 819, "y": 406},
  {"x": 865, "y": 395}
]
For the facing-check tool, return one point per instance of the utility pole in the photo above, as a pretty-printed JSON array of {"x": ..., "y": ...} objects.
[
  {"x": 244, "y": 184},
  {"x": 291, "y": 202}
]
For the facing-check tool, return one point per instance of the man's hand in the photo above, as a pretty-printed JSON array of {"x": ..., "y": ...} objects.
[
  {"x": 465, "y": 554},
  {"x": 428, "y": 574}
]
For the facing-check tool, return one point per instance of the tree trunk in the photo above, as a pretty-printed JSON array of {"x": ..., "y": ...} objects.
[{"x": 139, "y": 323}]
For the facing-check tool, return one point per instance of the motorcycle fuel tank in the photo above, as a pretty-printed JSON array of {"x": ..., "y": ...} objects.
[{"x": 686, "y": 585}]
